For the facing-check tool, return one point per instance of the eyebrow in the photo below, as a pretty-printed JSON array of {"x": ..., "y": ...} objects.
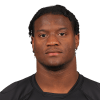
[{"x": 43, "y": 30}]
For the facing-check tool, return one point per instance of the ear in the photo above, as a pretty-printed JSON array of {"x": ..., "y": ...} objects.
[
  {"x": 77, "y": 40},
  {"x": 32, "y": 39}
]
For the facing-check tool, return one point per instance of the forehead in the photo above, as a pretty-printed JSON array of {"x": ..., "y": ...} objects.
[{"x": 50, "y": 19}]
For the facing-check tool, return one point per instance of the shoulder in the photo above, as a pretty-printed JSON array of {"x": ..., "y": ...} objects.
[
  {"x": 9, "y": 87},
  {"x": 16, "y": 84},
  {"x": 91, "y": 88},
  {"x": 98, "y": 84},
  {"x": 91, "y": 83},
  {"x": 17, "y": 89}
]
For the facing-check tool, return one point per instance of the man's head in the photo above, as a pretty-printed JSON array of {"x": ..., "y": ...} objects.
[
  {"x": 61, "y": 31},
  {"x": 56, "y": 10}
]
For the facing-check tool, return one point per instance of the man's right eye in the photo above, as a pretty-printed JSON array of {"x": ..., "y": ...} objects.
[{"x": 42, "y": 35}]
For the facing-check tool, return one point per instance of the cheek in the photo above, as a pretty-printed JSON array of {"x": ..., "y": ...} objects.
[
  {"x": 38, "y": 47},
  {"x": 69, "y": 48}
]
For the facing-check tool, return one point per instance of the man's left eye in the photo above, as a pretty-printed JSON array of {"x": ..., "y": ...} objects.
[{"x": 62, "y": 33}]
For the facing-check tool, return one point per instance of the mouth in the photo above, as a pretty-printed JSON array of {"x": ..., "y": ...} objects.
[{"x": 53, "y": 54}]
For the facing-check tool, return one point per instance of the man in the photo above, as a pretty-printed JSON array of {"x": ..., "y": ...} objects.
[{"x": 54, "y": 32}]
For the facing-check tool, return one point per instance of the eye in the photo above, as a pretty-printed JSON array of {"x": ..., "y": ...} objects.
[
  {"x": 43, "y": 35},
  {"x": 62, "y": 33}
]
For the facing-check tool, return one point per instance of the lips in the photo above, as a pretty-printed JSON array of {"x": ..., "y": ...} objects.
[
  {"x": 53, "y": 51},
  {"x": 53, "y": 54}
]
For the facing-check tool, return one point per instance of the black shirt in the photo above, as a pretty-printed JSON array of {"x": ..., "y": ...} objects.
[{"x": 28, "y": 89}]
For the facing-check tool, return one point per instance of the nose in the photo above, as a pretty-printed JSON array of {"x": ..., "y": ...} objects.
[{"x": 52, "y": 40}]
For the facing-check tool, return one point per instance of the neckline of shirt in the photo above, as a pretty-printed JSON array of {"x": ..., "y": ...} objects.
[{"x": 76, "y": 86}]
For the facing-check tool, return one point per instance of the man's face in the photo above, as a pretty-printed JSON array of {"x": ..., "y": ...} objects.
[{"x": 54, "y": 32}]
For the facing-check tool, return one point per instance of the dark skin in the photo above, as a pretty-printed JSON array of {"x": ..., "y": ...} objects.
[{"x": 55, "y": 74}]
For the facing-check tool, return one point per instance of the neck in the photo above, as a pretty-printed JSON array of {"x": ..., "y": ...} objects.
[{"x": 57, "y": 82}]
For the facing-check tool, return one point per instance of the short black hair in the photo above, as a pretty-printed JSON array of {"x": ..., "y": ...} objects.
[{"x": 56, "y": 10}]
